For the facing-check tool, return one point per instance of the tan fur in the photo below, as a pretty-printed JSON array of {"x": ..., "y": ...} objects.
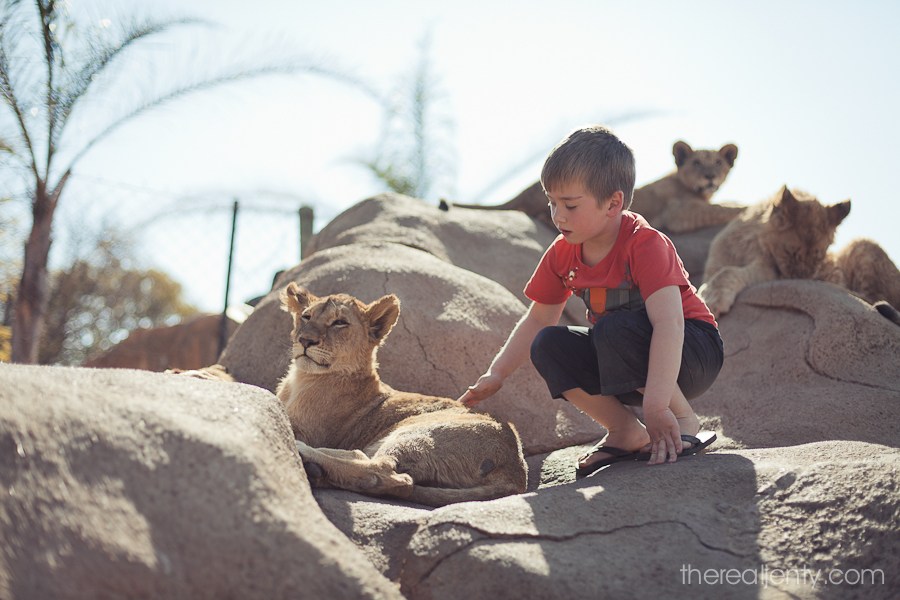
[
  {"x": 785, "y": 237},
  {"x": 864, "y": 268},
  {"x": 357, "y": 433},
  {"x": 679, "y": 202}
]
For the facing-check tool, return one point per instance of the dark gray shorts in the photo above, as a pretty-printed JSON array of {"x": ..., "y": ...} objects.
[{"x": 612, "y": 357}]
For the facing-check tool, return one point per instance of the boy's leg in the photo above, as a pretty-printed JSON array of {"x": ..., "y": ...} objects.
[
  {"x": 565, "y": 358},
  {"x": 625, "y": 431}
]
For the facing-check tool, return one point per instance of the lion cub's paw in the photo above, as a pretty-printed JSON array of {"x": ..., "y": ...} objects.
[
  {"x": 718, "y": 301},
  {"x": 314, "y": 473}
]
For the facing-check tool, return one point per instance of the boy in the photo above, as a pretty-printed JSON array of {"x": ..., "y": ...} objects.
[{"x": 653, "y": 343}]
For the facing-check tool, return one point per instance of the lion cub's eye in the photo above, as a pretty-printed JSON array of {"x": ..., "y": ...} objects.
[
  {"x": 340, "y": 323},
  {"x": 304, "y": 317}
]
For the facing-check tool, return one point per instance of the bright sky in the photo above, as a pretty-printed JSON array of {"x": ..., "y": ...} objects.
[{"x": 804, "y": 88}]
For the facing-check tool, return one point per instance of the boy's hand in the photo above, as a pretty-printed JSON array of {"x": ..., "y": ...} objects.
[
  {"x": 665, "y": 436},
  {"x": 486, "y": 386}
]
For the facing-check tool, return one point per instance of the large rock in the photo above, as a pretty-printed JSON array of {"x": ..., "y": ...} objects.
[
  {"x": 189, "y": 345},
  {"x": 120, "y": 483},
  {"x": 806, "y": 361},
  {"x": 769, "y": 520},
  {"x": 502, "y": 245},
  {"x": 452, "y": 322}
]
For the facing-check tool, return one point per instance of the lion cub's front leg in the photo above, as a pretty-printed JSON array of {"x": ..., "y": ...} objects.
[
  {"x": 722, "y": 289},
  {"x": 355, "y": 471}
]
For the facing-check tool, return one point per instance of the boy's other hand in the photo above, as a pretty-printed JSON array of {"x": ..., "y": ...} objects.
[
  {"x": 665, "y": 436},
  {"x": 486, "y": 386}
]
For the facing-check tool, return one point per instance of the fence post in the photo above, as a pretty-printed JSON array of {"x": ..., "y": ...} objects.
[
  {"x": 223, "y": 323},
  {"x": 306, "y": 228}
]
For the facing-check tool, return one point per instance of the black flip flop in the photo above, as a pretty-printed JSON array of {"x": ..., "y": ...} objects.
[
  {"x": 618, "y": 455},
  {"x": 699, "y": 443}
]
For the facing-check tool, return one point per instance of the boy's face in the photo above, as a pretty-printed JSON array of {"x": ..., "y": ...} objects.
[{"x": 580, "y": 217}]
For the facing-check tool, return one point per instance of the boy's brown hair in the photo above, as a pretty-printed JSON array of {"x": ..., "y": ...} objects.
[{"x": 597, "y": 158}]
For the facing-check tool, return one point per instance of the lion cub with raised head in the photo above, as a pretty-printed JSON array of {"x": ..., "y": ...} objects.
[
  {"x": 677, "y": 203},
  {"x": 785, "y": 237},
  {"x": 357, "y": 433},
  {"x": 680, "y": 201}
]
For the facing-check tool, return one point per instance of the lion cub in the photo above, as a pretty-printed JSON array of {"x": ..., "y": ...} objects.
[
  {"x": 786, "y": 237},
  {"x": 356, "y": 433},
  {"x": 680, "y": 201}
]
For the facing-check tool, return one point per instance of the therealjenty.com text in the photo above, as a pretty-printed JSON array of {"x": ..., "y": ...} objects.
[{"x": 766, "y": 576}]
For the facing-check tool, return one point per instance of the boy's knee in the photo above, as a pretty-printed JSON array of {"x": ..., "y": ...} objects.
[
  {"x": 616, "y": 331},
  {"x": 543, "y": 345}
]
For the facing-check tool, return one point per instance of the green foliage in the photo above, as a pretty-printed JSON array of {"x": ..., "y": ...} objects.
[
  {"x": 95, "y": 303},
  {"x": 413, "y": 155}
]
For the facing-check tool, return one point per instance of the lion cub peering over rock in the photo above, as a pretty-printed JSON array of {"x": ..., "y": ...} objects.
[
  {"x": 787, "y": 237},
  {"x": 677, "y": 203},
  {"x": 357, "y": 433},
  {"x": 680, "y": 201}
]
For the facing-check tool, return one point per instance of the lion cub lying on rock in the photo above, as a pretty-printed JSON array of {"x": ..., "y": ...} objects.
[
  {"x": 356, "y": 433},
  {"x": 677, "y": 203},
  {"x": 680, "y": 201},
  {"x": 787, "y": 237}
]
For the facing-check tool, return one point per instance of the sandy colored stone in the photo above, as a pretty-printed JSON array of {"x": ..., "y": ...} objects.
[
  {"x": 119, "y": 483},
  {"x": 806, "y": 361},
  {"x": 189, "y": 345},
  {"x": 502, "y": 245},
  {"x": 637, "y": 531}
]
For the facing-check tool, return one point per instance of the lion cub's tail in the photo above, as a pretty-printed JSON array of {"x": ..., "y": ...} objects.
[{"x": 435, "y": 496}]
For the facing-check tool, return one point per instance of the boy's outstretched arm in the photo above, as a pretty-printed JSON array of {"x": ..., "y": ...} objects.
[
  {"x": 666, "y": 314},
  {"x": 514, "y": 352}
]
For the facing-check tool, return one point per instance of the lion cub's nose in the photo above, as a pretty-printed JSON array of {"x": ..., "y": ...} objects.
[{"x": 307, "y": 342}]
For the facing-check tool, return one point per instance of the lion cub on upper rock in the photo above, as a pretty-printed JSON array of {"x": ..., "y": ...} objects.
[
  {"x": 677, "y": 203},
  {"x": 787, "y": 237},
  {"x": 357, "y": 433},
  {"x": 680, "y": 201}
]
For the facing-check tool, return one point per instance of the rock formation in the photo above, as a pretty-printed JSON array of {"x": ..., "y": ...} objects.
[{"x": 133, "y": 484}]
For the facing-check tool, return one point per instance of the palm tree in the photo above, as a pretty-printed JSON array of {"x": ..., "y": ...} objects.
[{"x": 49, "y": 67}]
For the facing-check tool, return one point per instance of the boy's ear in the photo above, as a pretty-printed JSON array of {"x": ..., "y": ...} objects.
[
  {"x": 617, "y": 200},
  {"x": 382, "y": 315},
  {"x": 295, "y": 299}
]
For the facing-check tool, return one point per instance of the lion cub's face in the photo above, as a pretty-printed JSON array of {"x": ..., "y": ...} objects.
[
  {"x": 703, "y": 171},
  {"x": 337, "y": 333},
  {"x": 799, "y": 230}
]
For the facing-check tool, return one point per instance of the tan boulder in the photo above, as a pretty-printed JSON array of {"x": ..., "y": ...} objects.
[
  {"x": 772, "y": 523},
  {"x": 129, "y": 484},
  {"x": 452, "y": 322},
  {"x": 189, "y": 345},
  {"x": 806, "y": 361},
  {"x": 504, "y": 246}
]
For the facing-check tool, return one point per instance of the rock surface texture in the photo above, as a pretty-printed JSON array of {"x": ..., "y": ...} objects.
[
  {"x": 134, "y": 484},
  {"x": 128, "y": 484}
]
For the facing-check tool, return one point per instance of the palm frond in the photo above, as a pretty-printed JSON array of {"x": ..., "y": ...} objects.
[
  {"x": 103, "y": 54},
  {"x": 239, "y": 74}
]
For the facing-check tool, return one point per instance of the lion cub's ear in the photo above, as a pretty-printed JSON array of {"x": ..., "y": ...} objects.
[
  {"x": 838, "y": 212},
  {"x": 382, "y": 315},
  {"x": 729, "y": 153},
  {"x": 681, "y": 151},
  {"x": 295, "y": 298}
]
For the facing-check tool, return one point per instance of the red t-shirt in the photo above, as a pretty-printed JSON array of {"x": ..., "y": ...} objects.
[{"x": 642, "y": 261}]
